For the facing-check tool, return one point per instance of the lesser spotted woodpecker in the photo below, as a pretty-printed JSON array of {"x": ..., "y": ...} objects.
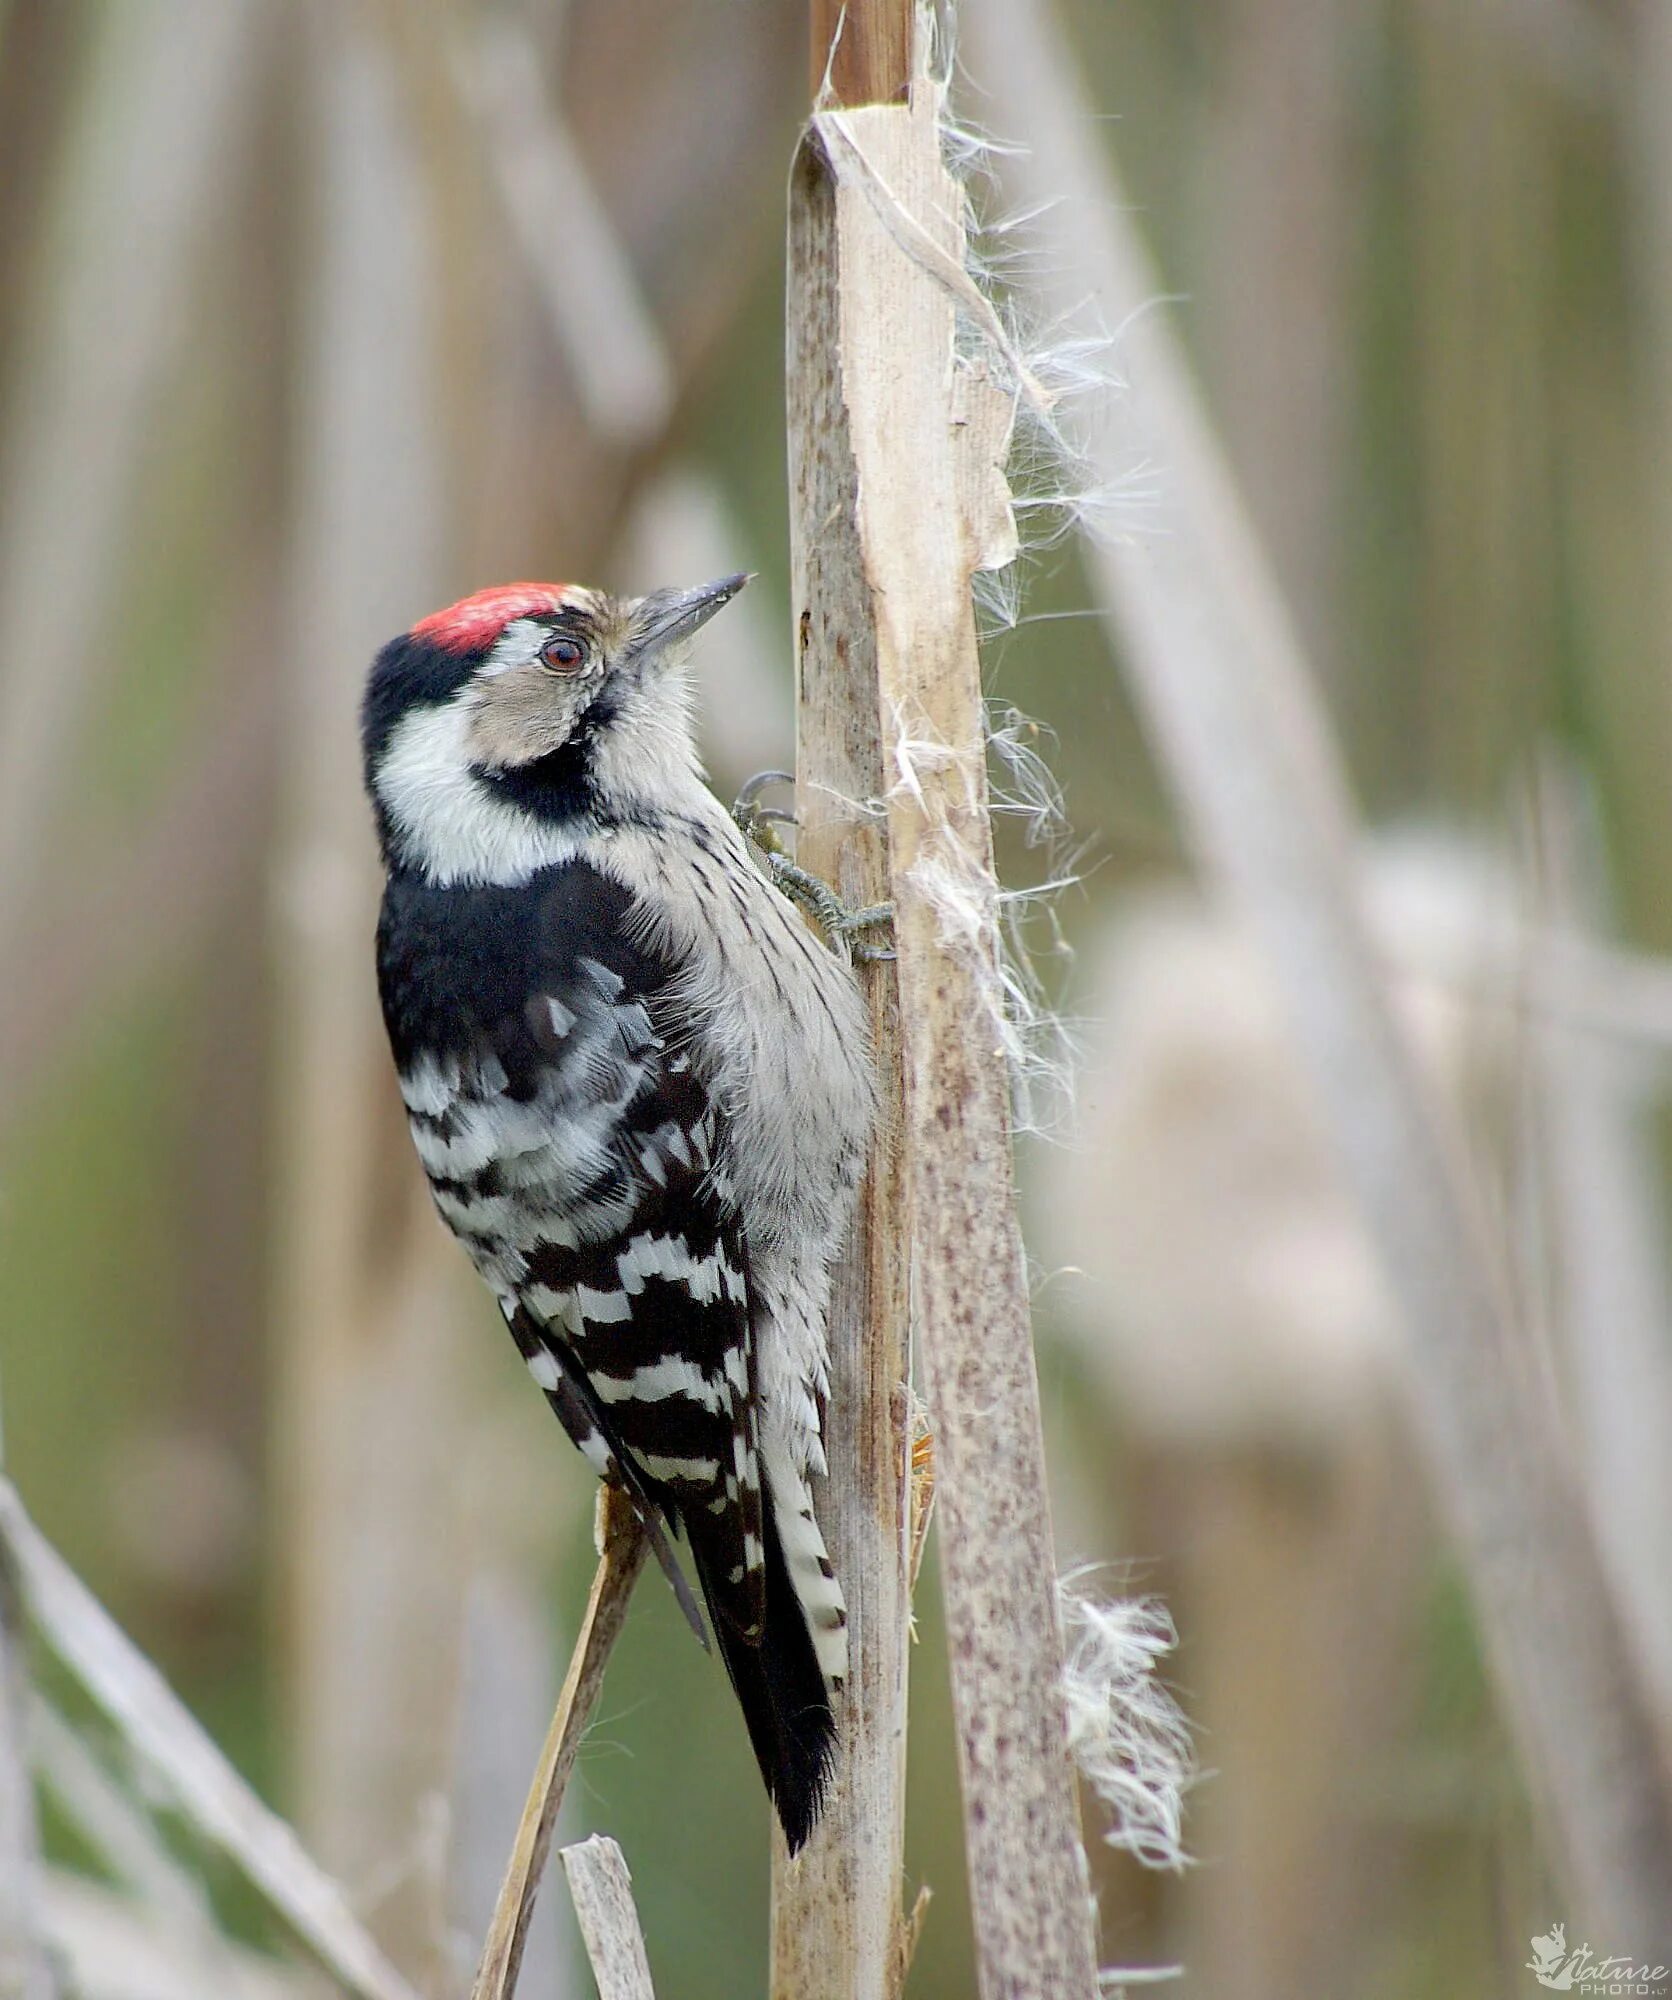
[{"x": 640, "y": 1088}]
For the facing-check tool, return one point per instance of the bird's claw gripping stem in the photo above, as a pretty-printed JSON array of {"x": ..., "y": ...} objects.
[
  {"x": 753, "y": 788},
  {"x": 756, "y": 820},
  {"x": 835, "y": 918}
]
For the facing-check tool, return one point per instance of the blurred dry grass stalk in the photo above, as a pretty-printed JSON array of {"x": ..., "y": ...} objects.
[
  {"x": 178, "y": 1758},
  {"x": 168, "y": 97},
  {"x": 26, "y": 1972},
  {"x": 1597, "y": 1180},
  {"x": 1235, "y": 720}
]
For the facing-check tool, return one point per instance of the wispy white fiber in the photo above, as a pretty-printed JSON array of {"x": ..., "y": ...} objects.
[
  {"x": 1114, "y": 1980},
  {"x": 1013, "y": 934},
  {"x": 996, "y": 929},
  {"x": 1126, "y": 1732},
  {"x": 1035, "y": 956},
  {"x": 851, "y": 162},
  {"x": 1056, "y": 371}
]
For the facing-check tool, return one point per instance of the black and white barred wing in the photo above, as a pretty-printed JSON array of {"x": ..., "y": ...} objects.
[
  {"x": 570, "y": 1146},
  {"x": 647, "y": 1288},
  {"x": 573, "y": 1147},
  {"x": 645, "y": 1281}
]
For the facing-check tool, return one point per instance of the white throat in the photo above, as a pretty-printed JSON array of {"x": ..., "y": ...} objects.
[
  {"x": 446, "y": 822},
  {"x": 450, "y": 825}
]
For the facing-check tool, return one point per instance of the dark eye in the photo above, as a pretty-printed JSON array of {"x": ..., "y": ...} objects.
[{"x": 563, "y": 656}]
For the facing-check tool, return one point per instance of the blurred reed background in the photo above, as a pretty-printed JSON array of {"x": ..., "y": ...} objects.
[{"x": 312, "y": 318}]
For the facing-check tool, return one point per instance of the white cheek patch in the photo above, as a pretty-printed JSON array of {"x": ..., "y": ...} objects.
[{"x": 446, "y": 821}]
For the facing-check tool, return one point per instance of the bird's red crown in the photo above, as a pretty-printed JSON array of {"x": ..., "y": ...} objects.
[{"x": 480, "y": 618}]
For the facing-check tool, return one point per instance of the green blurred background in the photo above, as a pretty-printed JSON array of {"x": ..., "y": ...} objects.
[{"x": 312, "y": 318}]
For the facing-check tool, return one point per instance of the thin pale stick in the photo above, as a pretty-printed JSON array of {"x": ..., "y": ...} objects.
[
  {"x": 602, "y": 1891},
  {"x": 124, "y": 1836},
  {"x": 120, "y": 1829},
  {"x": 110, "y": 1946},
  {"x": 168, "y": 1741},
  {"x": 26, "y": 1971},
  {"x": 622, "y": 1549}
]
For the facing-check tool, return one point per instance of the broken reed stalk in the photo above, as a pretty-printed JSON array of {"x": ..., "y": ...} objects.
[
  {"x": 1236, "y": 723},
  {"x": 622, "y": 1549},
  {"x": 897, "y": 452},
  {"x": 836, "y": 1925},
  {"x": 602, "y": 1892},
  {"x": 859, "y": 51}
]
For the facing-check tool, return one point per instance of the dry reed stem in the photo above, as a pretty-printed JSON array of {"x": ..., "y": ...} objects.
[
  {"x": 614, "y": 349},
  {"x": 836, "y": 1923},
  {"x": 1235, "y": 720},
  {"x": 622, "y": 1549},
  {"x": 167, "y": 1741},
  {"x": 929, "y": 437},
  {"x": 602, "y": 1891},
  {"x": 859, "y": 51},
  {"x": 153, "y": 147},
  {"x": 369, "y": 1317}
]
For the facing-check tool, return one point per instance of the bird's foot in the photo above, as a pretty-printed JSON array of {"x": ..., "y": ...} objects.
[
  {"x": 838, "y": 920},
  {"x": 757, "y": 821}
]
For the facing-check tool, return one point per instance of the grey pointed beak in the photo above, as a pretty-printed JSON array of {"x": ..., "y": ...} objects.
[{"x": 667, "y": 616}]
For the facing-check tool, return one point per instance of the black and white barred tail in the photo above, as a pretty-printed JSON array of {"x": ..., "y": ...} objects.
[{"x": 781, "y": 1685}]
